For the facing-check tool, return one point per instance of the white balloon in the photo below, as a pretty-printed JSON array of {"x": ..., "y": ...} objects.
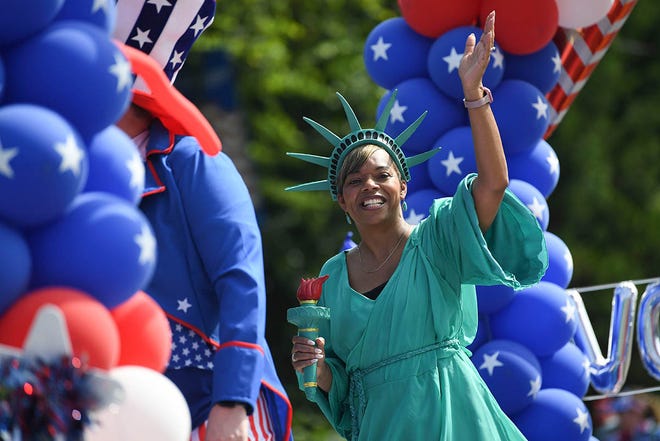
[
  {"x": 153, "y": 409},
  {"x": 575, "y": 14}
]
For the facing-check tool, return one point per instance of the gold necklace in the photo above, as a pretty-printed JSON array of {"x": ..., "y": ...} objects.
[{"x": 389, "y": 256}]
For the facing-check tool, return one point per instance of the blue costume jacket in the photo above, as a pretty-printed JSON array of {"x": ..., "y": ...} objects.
[{"x": 209, "y": 275}]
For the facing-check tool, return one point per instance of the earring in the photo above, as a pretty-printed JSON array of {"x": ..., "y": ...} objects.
[
  {"x": 348, "y": 219},
  {"x": 404, "y": 206}
]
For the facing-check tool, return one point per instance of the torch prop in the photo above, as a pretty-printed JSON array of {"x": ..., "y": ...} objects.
[{"x": 307, "y": 317}]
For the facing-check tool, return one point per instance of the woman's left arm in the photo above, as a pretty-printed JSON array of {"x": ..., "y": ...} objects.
[{"x": 492, "y": 180}]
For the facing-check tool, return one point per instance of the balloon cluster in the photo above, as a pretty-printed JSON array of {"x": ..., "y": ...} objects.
[
  {"x": 70, "y": 181},
  {"x": 525, "y": 347}
]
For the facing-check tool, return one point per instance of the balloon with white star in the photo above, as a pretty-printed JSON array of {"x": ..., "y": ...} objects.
[
  {"x": 538, "y": 166},
  {"x": 41, "y": 171},
  {"x": 540, "y": 68},
  {"x": 115, "y": 165},
  {"x": 445, "y": 57},
  {"x": 75, "y": 69},
  {"x": 418, "y": 203},
  {"x": 393, "y": 53},
  {"x": 541, "y": 317},
  {"x": 568, "y": 369},
  {"x": 560, "y": 261},
  {"x": 16, "y": 264},
  {"x": 414, "y": 97},
  {"x": 101, "y": 13},
  {"x": 454, "y": 161},
  {"x": 521, "y": 111},
  {"x": 533, "y": 199},
  {"x": 103, "y": 245},
  {"x": 18, "y": 21},
  {"x": 555, "y": 414},
  {"x": 511, "y": 371}
]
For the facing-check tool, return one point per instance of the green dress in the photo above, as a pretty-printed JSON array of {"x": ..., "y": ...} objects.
[{"x": 399, "y": 363}]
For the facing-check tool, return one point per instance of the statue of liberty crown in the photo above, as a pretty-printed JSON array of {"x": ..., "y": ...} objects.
[{"x": 357, "y": 137}]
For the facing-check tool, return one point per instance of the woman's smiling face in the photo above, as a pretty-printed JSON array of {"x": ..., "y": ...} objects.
[{"x": 373, "y": 192}]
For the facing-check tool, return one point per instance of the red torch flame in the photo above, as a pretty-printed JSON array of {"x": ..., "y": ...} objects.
[{"x": 310, "y": 289}]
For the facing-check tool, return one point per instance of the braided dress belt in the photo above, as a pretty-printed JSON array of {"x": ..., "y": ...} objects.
[{"x": 444, "y": 348}]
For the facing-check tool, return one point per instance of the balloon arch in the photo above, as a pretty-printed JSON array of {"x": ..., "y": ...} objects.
[{"x": 74, "y": 239}]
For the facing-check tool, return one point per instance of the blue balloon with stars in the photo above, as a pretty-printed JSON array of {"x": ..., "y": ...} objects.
[
  {"x": 41, "y": 170},
  {"x": 101, "y": 13},
  {"x": 454, "y": 161},
  {"x": 445, "y": 56},
  {"x": 538, "y": 166},
  {"x": 533, "y": 199},
  {"x": 74, "y": 69},
  {"x": 393, "y": 53},
  {"x": 103, "y": 246},
  {"x": 567, "y": 369},
  {"x": 541, "y": 68}
]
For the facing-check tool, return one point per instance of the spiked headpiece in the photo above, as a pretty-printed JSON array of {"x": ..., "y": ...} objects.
[{"x": 357, "y": 137}]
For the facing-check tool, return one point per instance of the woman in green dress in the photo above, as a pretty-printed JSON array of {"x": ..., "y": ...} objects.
[{"x": 392, "y": 362}]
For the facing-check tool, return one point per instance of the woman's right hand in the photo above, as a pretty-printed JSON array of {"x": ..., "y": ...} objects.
[{"x": 305, "y": 353}]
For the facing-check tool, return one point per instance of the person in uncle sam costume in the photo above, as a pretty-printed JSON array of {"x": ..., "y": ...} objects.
[
  {"x": 209, "y": 277},
  {"x": 392, "y": 362}
]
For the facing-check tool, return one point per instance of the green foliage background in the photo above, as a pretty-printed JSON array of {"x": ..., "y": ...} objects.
[{"x": 291, "y": 56}]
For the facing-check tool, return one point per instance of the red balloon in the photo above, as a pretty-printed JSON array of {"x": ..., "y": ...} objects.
[
  {"x": 92, "y": 331},
  {"x": 146, "y": 338},
  {"x": 433, "y": 18},
  {"x": 522, "y": 27}
]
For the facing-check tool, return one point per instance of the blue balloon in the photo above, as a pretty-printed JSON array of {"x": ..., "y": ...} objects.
[
  {"x": 75, "y": 69},
  {"x": 419, "y": 177},
  {"x": 454, "y": 161},
  {"x": 20, "y": 19},
  {"x": 540, "y": 68},
  {"x": 483, "y": 334},
  {"x": 16, "y": 264},
  {"x": 103, "y": 246},
  {"x": 533, "y": 199},
  {"x": 538, "y": 166},
  {"x": 556, "y": 414},
  {"x": 2, "y": 79},
  {"x": 445, "y": 56},
  {"x": 43, "y": 165},
  {"x": 115, "y": 165},
  {"x": 511, "y": 371},
  {"x": 567, "y": 369},
  {"x": 493, "y": 298},
  {"x": 419, "y": 203},
  {"x": 560, "y": 261},
  {"x": 541, "y": 317},
  {"x": 393, "y": 53},
  {"x": 521, "y": 112},
  {"x": 414, "y": 97},
  {"x": 101, "y": 14}
]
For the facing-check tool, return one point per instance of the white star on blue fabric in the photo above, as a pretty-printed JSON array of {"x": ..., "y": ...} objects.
[
  {"x": 380, "y": 49},
  {"x": 136, "y": 169},
  {"x": 534, "y": 387},
  {"x": 147, "y": 243},
  {"x": 122, "y": 70},
  {"x": 71, "y": 155},
  {"x": 498, "y": 58},
  {"x": 569, "y": 310},
  {"x": 176, "y": 58},
  {"x": 537, "y": 208},
  {"x": 451, "y": 163},
  {"x": 7, "y": 155},
  {"x": 582, "y": 419},
  {"x": 159, "y": 4},
  {"x": 396, "y": 114},
  {"x": 142, "y": 37},
  {"x": 453, "y": 60},
  {"x": 198, "y": 26},
  {"x": 491, "y": 362},
  {"x": 414, "y": 218},
  {"x": 541, "y": 108},
  {"x": 184, "y": 305}
]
